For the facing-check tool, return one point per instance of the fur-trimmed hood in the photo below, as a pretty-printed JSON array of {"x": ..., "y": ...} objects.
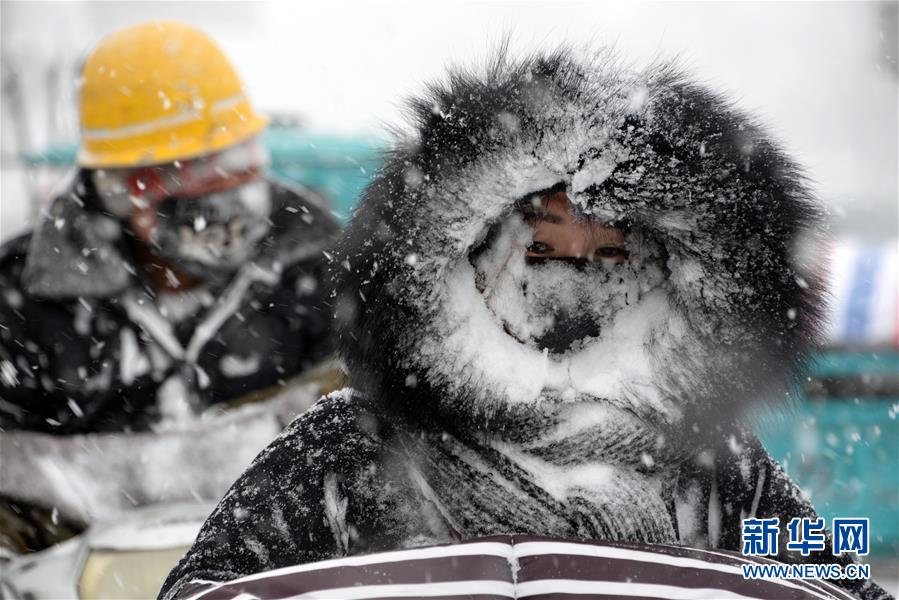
[{"x": 676, "y": 163}]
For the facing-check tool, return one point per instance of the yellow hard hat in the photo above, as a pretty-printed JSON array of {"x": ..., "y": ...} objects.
[{"x": 159, "y": 92}]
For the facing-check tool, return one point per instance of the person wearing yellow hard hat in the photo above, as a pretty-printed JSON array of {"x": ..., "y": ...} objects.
[{"x": 170, "y": 273}]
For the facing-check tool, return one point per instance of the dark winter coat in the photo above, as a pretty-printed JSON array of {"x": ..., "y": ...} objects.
[
  {"x": 81, "y": 351},
  {"x": 456, "y": 429},
  {"x": 344, "y": 479}
]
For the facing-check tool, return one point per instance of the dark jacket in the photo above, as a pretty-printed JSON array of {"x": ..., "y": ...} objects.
[
  {"x": 82, "y": 351},
  {"x": 347, "y": 478},
  {"x": 455, "y": 428}
]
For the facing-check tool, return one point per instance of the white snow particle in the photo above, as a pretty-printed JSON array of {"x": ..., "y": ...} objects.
[
  {"x": 8, "y": 374},
  {"x": 637, "y": 99},
  {"x": 233, "y": 366},
  {"x": 76, "y": 410}
]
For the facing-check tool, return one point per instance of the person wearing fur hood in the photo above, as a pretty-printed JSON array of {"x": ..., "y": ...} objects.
[{"x": 497, "y": 391}]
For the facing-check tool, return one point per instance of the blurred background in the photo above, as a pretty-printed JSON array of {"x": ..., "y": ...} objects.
[{"x": 332, "y": 75}]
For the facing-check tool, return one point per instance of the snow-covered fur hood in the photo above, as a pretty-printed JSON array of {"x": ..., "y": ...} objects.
[
  {"x": 701, "y": 189},
  {"x": 79, "y": 249}
]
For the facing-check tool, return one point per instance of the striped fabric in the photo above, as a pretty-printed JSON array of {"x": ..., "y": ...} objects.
[{"x": 505, "y": 567}]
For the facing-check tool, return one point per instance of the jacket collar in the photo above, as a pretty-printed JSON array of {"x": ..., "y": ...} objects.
[{"x": 79, "y": 250}]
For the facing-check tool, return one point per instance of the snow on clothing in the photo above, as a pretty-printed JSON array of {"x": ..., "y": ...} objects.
[
  {"x": 462, "y": 422},
  {"x": 53, "y": 486},
  {"x": 84, "y": 346}
]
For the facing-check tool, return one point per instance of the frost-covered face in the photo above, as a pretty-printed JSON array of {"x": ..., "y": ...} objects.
[
  {"x": 560, "y": 233},
  {"x": 204, "y": 216},
  {"x": 209, "y": 234},
  {"x": 554, "y": 279}
]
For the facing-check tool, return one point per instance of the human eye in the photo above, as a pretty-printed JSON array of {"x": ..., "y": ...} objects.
[
  {"x": 610, "y": 253},
  {"x": 530, "y": 215},
  {"x": 539, "y": 248}
]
